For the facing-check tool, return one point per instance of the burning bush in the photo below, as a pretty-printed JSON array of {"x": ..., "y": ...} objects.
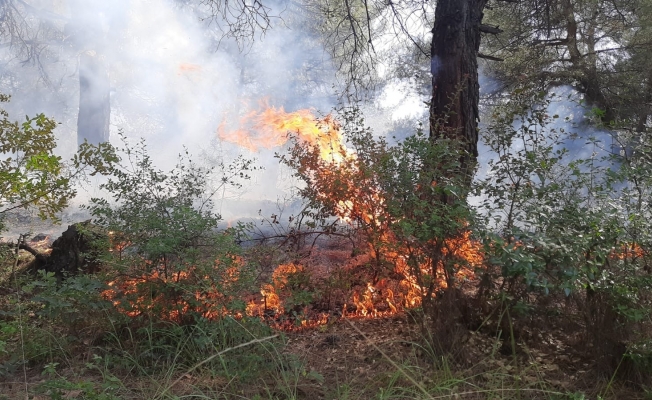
[
  {"x": 185, "y": 297},
  {"x": 407, "y": 201},
  {"x": 172, "y": 260},
  {"x": 288, "y": 294}
]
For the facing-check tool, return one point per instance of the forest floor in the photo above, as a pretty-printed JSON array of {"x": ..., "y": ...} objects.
[
  {"x": 369, "y": 356},
  {"x": 355, "y": 359},
  {"x": 346, "y": 358}
]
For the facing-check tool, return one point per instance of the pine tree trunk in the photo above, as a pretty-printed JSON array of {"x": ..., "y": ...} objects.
[
  {"x": 94, "y": 103},
  {"x": 454, "y": 113},
  {"x": 454, "y": 66}
]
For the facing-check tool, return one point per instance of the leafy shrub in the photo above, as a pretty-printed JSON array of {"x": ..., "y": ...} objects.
[
  {"x": 173, "y": 261},
  {"x": 68, "y": 303},
  {"x": 408, "y": 202},
  {"x": 558, "y": 224},
  {"x": 32, "y": 175},
  {"x": 50, "y": 317}
]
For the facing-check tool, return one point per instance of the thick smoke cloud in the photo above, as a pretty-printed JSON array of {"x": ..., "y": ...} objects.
[{"x": 174, "y": 78}]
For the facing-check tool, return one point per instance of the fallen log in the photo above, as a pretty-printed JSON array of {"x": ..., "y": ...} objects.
[{"x": 77, "y": 250}]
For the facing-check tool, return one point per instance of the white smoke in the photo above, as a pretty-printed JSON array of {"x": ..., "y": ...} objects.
[{"x": 174, "y": 78}]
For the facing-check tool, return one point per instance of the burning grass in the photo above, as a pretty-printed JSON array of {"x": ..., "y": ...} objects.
[{"x": 293, "y": 296}]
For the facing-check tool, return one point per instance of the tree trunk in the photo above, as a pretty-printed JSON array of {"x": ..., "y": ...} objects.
[
  {"x": 454, "y": 66},
  {"x": 646, "y": 107},
  {"x": 94, "y": 104},
  {"x": 454, "y": 114}
]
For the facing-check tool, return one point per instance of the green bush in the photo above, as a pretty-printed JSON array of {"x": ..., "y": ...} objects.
[
  {"x": 559, "y": 225},
  {"x": 32, "y": 175},
  {"x": 174, "y": 261}
]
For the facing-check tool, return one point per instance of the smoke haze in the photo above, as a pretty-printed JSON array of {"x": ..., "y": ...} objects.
[
  {"x": 175, "y": 80},
  {"x": 174, "y": 77}
]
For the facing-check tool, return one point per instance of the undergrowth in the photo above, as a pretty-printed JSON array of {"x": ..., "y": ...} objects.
[{"x": 541, "y": 291}]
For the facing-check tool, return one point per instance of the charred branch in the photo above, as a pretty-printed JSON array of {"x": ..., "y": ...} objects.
[
  {"x": 21, "y": 245},
  {"x": 490, "y": 58},
  {"x": 39, "y": 256},
  {"x": 494, "y": 30}
]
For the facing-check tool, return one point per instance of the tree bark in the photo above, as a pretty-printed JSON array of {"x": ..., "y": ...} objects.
[
  {"x": 454, "y": 66},
  {"x": 454, "y": 114},
  {"x": 94, "y": 103}
]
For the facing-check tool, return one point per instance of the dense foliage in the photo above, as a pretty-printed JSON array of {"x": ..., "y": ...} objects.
[
  {"x": 560, "y": 232},
  {"x": 544, "y": 255}
]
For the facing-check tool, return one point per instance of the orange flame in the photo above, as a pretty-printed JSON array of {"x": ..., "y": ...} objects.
[
  {"x": 186, "y": 67},
  {"x": 270, "y": 301},
  {"x": 270, "y": 127},
  {"x": 363, "y": 204},
  {"x": 154, "y": 293},
  {"x": 628, "y": 251}
]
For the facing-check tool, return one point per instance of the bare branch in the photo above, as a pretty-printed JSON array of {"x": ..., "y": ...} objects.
[
  {"x": 239, "y": 19},
  {"x": 42, "y": 13},
  {"x": 494, "y": 30},
  {"x": 491, "y": 58},
  {"x": 405, "y": 31}
]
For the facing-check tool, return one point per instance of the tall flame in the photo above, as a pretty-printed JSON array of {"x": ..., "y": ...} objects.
[{"x": 271, "y": 127}]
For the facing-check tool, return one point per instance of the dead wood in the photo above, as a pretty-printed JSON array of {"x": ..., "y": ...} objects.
[{"x": 78, "y": 249}]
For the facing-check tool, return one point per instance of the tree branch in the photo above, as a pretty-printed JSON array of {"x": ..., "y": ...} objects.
[
  {"x": 494, "y": 30},
  {"x": 491, "y": 58},
  {"x": 46, "y": 14},
  {"x": 39, "y": 256},
  {"x": 551, "y": 42}
]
